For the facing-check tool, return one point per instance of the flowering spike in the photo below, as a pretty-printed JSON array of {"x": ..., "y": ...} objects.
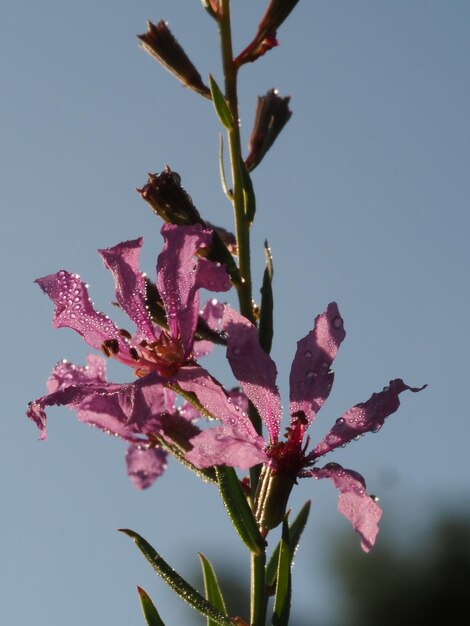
[{"x": 160, "y": 43}]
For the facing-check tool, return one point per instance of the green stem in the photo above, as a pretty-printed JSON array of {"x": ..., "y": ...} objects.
[
  {"x": 258, "y": 595},
  {"x": 241, "y": 222}
]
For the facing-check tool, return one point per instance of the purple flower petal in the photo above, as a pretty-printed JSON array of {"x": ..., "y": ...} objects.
[
  {"x": 144, "y": 466},
  {"x": 364, "y": 417},
  {"x": 223, "y": 445},
  {"x": 180, "y": 275},
  {"x": 72, "y": 395},
  {"x": 105, "y": 413},
  {"x": 123, "y": 261},
  {"x": 212, "y": 315},
  {"x": 310, "y": 377},
  {"x": 65, "y": 374},
  {"x": 254, "y": 368},
  {"x": 212, "y": 276},
  {"x": 218, "y": 405},
  {"x": 354, "y": 502},
  {"x": 75, "y": 310}
]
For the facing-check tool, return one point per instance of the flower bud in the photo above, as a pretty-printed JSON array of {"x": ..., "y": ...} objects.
[
  {"x": 165, "y": 195},
  {"x": 160, "y": 43},
  {"x": 265, "y": 38},
  {"x": 272, "y": 114},
  {"x": 212, "y": 7}
]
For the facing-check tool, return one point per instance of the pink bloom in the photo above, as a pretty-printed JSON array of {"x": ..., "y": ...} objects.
[
  {"x": 138, "y": 408},
  {"x": 286, "y": 460}
]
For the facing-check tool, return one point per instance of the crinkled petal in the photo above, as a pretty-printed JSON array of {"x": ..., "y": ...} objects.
[
  {"x": 180, "y": 275},
  {"x": 223, "y": 445},
  {"x": 215, "y": 400},
  {"x": 354, "y": 502},
  {"x": 65, "y": 373},
  {"x": 123, "y": 261},
  {"x": 364, "y": 417},
  {"x": 212, "y": 315},
  {"x": 105, "y": 413},
  {"x": 144, "y": 466},
  {"x": 69, "y": 396},
  {"x": 310, "y": 377},
  {"x": 75, "y": 310},
  {"x": 212, "y": 276},
  {"x": 254, "y": 368}
]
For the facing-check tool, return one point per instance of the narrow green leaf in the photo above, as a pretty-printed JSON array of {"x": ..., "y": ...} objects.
[
  {"x": 249, "y": 198},
  {"x": 212, "y": 588},
  {"x": 185, "y": 591},
  {"x": 238, "y": 509},
  {"x": 223, "y": 178},
  {"x": 266, "y": 328},
  {"x": 220, "y": 104},
  {"x": 295, "y": 532},
  {"x": 282, "y": 599},
  {"x": 150, "y": 612}
]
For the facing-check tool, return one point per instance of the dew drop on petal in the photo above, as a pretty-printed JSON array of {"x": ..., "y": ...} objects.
[{"x": 337, "y": 322}]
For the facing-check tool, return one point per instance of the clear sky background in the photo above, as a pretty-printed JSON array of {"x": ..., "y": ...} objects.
[{"x": 364, "y": 200}]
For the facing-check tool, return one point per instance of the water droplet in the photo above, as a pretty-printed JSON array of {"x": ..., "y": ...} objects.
[
  {"x": 337, "y": 322},
  {"x": 308, "y": 354}
]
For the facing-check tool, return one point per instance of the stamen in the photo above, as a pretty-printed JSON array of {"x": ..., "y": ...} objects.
[
  {"x": 124, "y": 333},
  {"x": 134, "y": 354},
  {"x": 112, "y": 345}
]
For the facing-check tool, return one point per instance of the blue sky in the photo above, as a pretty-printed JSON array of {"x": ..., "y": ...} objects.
[{"x": 364, "y": 200}]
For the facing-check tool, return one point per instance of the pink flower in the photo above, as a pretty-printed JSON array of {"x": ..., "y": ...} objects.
[
  {"x": 135, "y": 410},
  {"x": 285, "y": 460}
]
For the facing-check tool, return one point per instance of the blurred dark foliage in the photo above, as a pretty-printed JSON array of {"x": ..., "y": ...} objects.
[{"x": 426, "y": 581}]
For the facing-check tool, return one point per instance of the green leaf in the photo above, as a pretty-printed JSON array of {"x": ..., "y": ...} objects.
[
  {"x": 223, "y": 178},
  {"x": 266, "y": 328},
  {"x": 185, "y": 591},
  {"x": 150, "y": 612},
  {"x": 249, "y": 198},
  {"x": 238, "y": 509},
  {"x": 220, "y": 104},
  {"x": 212, "y": 588},
  {"x": 295, "y": 532},
  {"x": 282, "y": 599}
]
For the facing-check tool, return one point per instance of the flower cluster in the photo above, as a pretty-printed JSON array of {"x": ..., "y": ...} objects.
[{"x": 145, "y": 412}]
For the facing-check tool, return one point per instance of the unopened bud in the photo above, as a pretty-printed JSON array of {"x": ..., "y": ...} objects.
[
  {"x": 265, "y": 38},
  {"x": 212, "y": 7},
  {"x": 272, "y": 114},
  {"x": 160, "y": 43},
  {"x": 164, "y": 193}
]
